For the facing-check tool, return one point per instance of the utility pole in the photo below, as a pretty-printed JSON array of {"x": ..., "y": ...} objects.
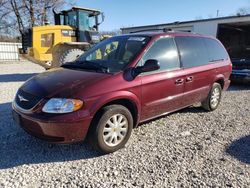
[{"x": 218, "y": 11}]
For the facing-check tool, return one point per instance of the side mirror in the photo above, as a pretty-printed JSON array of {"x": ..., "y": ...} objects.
[{"x": 150, "y": 65}]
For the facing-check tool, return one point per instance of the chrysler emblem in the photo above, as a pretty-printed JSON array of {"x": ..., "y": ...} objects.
[{"x": 22, "y": 99}]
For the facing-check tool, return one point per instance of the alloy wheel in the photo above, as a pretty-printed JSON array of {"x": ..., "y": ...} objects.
[{"x": 115, "y": 130}]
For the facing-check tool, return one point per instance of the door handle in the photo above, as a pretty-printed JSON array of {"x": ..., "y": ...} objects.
[
  {"x": 189, "y": 79},
  {"x": 179, "y": 81}
]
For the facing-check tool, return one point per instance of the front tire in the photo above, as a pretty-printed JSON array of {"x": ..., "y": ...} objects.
[
  {"x": 113, "y": 129},
  {"x": 213, "y": 99}
]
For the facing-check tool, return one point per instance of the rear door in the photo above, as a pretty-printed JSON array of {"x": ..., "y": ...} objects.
[
  {"x": 162, "y": 90},
  {"x": 199, "y": 73}
]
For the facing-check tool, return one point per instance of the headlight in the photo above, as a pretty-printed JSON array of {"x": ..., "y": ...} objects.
[{"x": 61, "y": 106}]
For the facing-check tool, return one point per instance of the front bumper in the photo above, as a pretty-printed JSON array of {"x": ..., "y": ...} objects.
[{"x": 54, "y": 132}]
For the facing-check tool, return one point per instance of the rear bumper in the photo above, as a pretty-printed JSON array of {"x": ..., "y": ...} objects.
[
  {"x": 54, "y": 132},
  {"x": 226, "y": 85},
  {"x": 240, "y": 75}
]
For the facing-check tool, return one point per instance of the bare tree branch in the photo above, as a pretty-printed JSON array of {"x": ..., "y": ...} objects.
[{"x": 19, "y": 15}]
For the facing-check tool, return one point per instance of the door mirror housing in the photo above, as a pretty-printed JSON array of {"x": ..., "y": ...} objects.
[{"x": 149, "y": 66}]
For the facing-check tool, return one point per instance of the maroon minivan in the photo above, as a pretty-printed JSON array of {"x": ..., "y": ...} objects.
[{"x": 121, "y": 82}]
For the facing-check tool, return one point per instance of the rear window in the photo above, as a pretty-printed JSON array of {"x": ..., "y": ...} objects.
[
  {"x": 193, "y": 51},
  {"x": 215, "y": 50}
]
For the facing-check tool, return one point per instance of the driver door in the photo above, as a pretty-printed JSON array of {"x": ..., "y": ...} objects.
[{"x": 162, "y": 90}]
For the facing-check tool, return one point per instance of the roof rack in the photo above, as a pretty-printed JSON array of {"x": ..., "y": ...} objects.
[
  {"x": 145, "y": 30},
  {"x": 163, "y": 30}
]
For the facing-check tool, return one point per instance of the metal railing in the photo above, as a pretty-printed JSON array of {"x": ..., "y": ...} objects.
[{"x": 9, "y": 51}]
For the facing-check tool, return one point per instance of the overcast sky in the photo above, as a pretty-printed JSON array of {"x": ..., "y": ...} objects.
[{"x": 126, "y": 13}]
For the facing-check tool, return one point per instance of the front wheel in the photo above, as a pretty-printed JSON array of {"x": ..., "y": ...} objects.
[
  {"x": 213, "y": 99},
  {"x": 70, "y": 55},
  {"x": 113, "y": 129}
]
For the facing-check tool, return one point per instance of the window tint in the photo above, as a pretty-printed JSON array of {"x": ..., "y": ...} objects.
[
  {"x": 193, "y": 51},
  {"x": 164, "y": 50},
  {"x": 115, "y": 53},
  {"x": 215, "y": 50}
]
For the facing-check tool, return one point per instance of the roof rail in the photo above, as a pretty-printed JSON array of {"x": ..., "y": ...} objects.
[
  {"x": 145, "y": 30},
  {"x": 163, "y": 30}
]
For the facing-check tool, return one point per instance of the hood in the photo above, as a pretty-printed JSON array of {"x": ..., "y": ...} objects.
[{"x": 60, "y": 81}]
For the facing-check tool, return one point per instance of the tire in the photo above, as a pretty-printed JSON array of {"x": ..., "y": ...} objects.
[
  {"x": 213, "y": 99},
  {"x": 109, "y": 114},
  {"x": 70, "y": 55}
]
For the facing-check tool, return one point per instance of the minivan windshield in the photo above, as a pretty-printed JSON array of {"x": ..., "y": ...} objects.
[{"x": 111, "y": 55}]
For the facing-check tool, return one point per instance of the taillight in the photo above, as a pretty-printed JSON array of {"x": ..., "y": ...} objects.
[{"x": 231, "y": 66}]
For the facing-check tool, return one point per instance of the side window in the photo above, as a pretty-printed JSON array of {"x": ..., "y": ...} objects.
[
  {"x": 47, "y": 40},
  {"x": 215, "y": 50},
  {"x": 164, "y": 50},
  {"x": 193, "y": 51},
  {"x": 72, "y": 18}
]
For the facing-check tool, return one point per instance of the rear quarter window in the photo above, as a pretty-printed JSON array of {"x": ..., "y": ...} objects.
[
  {"x": 193, "y": 51},
  {"x": 215, "y": 50}
]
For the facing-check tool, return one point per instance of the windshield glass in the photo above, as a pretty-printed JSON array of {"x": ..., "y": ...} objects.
[
  {"x": 71, "y": 19},
  {"x": 113, "y": 54},
  {"x": 86, "y": 22},
  {"x": 91, "y": 22}
]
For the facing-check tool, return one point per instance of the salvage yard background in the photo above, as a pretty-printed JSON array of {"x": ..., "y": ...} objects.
[{"x": 187, "y": 148}]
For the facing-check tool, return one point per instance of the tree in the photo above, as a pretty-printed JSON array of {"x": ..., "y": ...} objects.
[
  {"x": 111, "y": 33},
  {"x": 242, "y": 11},
  {"x": 18, "y": 15}
]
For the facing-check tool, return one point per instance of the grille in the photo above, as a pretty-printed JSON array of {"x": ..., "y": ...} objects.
[{"x": 25, "y": 100}]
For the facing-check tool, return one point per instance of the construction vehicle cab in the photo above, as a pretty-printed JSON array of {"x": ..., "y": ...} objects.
[
  {"x": 85, "y": 21},
  {"x": 74, "y": 32}
]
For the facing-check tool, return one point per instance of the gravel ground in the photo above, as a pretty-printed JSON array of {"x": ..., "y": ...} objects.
[{"x": 189, "y": 148}]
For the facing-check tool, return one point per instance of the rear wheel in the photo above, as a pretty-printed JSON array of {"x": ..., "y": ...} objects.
[
  {"x": 214, "y": 97},
  {"x": 113, "y": 129}
]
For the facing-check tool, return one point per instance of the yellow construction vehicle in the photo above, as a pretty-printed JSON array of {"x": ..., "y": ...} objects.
[{"x": 75, "y": 30}]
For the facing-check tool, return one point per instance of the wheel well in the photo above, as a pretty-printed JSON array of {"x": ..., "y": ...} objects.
[
  {"x": 130, "y": 105},
  {"x": 221, "y": 82}
]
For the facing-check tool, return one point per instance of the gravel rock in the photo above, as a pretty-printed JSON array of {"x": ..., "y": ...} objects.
[
  {"x": 189, "y": 148},
  {"x": 186, "y": 133}
]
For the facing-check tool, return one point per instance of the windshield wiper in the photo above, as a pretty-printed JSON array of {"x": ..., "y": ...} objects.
[
  {"x": 94, "y": 65},
  {"x": 86, "y": 65}
]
